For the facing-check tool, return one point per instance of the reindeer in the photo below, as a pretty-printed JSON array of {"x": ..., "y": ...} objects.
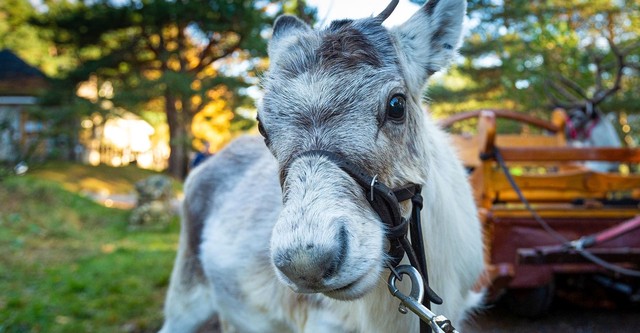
[
  {"x": 279, "y": 234},
  {"x": 587, "y": 125}
]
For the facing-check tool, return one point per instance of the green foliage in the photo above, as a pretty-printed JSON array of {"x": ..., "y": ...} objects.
[
  {"x": 70, "y": 265},
  {"x": 300, "y": 9},
  {"x": 159, "y": 54},
  {"x": 31, "y": 42},
  {"x": 519, "y": 52}
]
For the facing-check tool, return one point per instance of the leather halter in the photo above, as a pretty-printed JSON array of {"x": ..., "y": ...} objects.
[
  {"x": 586, "y": 133},
  {"x": 386, "y": 203}
]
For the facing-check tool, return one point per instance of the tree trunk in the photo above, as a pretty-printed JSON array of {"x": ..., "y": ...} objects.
[{"x": 178, "y": 157}]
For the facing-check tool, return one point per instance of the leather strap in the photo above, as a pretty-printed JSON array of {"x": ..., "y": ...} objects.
[
  {"x": 386, "y": 203},
  {"x": 382, "y": 199}
]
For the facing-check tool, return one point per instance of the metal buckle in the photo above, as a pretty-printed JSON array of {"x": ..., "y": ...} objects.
[
  {"x": 413, "y": 301},
  {"x": 373, "y": 182}
]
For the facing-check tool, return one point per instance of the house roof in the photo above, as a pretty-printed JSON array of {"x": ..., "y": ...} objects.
[{"x": 17, "y": 77}]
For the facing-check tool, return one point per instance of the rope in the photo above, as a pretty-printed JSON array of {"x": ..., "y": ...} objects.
[{"x": 560, "y": 238}]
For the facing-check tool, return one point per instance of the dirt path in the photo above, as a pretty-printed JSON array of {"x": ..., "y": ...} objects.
[
  {"x": 562, "y": 318},
  {"x": 125, "y": 201}
]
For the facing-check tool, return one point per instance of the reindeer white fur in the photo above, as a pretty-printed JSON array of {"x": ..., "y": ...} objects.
[
  {"x": 313, "y": 259},
  {"x": 589, "y": 127}
]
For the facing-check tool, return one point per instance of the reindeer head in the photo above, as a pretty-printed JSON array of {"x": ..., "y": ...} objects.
[
  {"x": 581, "y": 120},
  {"x": 354, "y": 89}
]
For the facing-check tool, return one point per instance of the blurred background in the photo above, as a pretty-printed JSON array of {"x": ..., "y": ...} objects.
[{"x": 106, "y": 104}]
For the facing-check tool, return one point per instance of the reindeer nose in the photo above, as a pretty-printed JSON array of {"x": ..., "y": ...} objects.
[{"x": 308, "y": 265}]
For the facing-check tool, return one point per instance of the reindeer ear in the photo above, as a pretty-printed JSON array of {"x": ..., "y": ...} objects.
[
  {"x": 285, "y": 27},
  {"x": 430, "y": 38}
]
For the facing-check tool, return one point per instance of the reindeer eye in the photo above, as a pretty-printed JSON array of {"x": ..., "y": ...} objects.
[
  {"x": 261, "y": 129},
  {"x": 396, "y": 107},
  {"x": 263, "y": 132}
]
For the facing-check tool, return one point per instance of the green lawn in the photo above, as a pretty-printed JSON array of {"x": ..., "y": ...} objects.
[
  {"x": 99, "y": 179},
  {"x": 68, "y": 264}
]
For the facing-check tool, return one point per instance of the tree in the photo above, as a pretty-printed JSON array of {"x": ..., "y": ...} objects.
[
  {"x": 534, "y": 56},
  {"x": 34, "y": 44},
  {"x": 31, "y": 42},
  {"x": 155, "y": 50}
]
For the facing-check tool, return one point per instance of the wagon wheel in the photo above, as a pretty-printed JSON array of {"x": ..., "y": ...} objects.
[
  {"x": 530, "y": 302},
  {"x": 555, "y": 125}
]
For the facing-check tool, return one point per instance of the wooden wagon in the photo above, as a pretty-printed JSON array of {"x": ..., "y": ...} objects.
[{"x": 577, "y": 209}]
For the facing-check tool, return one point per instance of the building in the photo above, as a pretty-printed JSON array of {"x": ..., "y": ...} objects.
[
  {"x": 116, "y": 138},
  {"x": 20, "y": 83}
]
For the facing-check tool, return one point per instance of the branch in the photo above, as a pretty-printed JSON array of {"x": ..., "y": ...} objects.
[
  {"x": 214, "y": 39},
  {"x": 207, "y": 60},
  {"x": 148, "y": 44},
  {"x": 630, "y": 49},
  {"x": 181, "y": 46}
]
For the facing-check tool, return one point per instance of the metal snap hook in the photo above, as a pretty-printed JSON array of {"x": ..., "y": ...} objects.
[
  {"x": 417, "y": 284},
  {"x": 413, "y": 301}
]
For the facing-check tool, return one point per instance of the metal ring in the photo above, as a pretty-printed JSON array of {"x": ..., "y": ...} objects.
[{"x": 417, "y": 284}]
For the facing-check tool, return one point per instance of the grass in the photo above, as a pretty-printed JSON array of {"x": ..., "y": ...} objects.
[
  {"x": 100, "y": 179},
  {"x": 68, "y": 264}
]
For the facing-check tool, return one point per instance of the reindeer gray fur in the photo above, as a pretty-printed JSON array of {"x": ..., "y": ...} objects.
[{"x": 313, "y": 259}]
